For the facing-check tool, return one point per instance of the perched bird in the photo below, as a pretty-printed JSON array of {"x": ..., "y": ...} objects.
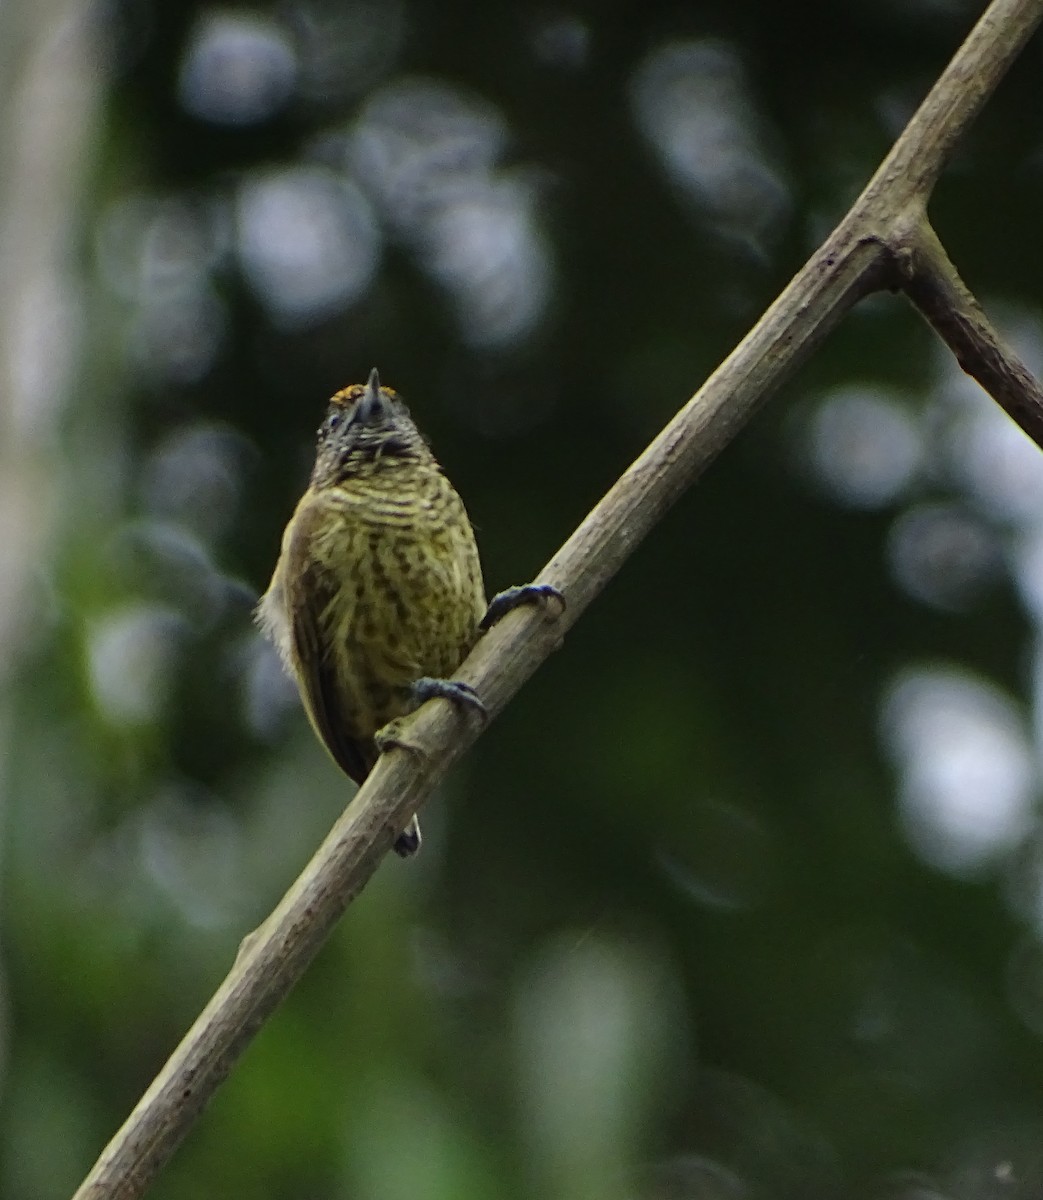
[{"x": 377, "y": 595}]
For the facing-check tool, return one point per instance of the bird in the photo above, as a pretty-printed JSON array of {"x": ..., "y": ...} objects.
[{"x": 377, "y": 595}]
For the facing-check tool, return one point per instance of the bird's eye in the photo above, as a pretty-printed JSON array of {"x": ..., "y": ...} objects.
[{"x": 331, "y": 424}]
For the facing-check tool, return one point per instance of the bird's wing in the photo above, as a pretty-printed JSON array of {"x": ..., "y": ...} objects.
[{"x": 310, "y": 588}]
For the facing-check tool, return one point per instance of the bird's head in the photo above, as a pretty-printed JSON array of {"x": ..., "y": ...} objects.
[{"x": 367, "y": 428}]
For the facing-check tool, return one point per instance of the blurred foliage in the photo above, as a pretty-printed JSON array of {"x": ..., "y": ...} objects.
[{"x": 743, "y": 896}]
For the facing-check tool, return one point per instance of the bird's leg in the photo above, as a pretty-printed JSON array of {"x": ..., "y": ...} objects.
[{"x": 527, "y": 593}]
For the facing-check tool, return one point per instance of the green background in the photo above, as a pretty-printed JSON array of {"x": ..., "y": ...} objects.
[{"x": 742, "y": 897}]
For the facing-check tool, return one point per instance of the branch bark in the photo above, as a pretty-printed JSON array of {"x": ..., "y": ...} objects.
[
  {"x": 882, "y": 242},
  {"x": 935, "y": 288}
]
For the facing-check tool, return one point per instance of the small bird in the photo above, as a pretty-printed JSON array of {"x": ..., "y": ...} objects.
[{"x": 377, "y": 595}]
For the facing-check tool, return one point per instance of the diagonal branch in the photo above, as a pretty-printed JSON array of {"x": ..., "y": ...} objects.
[
  {"x": 860, "y": 256},
  {"x": 931, "y": 282},
  {"x": 911, "y": 169}
]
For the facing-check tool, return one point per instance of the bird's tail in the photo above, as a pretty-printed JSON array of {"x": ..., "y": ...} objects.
[{"x": 408, "y": 841}]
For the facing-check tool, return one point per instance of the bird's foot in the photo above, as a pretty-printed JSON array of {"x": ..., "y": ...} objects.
[
  {"x": 461, "y": 694},
  {"x": 527, "y": 593},
  {"x": 394, "y": 734}
]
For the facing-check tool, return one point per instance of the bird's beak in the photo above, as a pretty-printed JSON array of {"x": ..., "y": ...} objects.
[{"x": 373, "y": 406}]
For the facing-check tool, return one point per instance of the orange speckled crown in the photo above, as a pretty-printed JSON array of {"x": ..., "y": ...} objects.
[{"x": 353, "y": 393}]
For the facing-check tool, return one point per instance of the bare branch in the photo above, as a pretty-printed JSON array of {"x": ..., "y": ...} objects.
[
  {"x": 931, "y": 282},
  {"x": 861, "y": 255},
  {"x": 908, "y": 174}
]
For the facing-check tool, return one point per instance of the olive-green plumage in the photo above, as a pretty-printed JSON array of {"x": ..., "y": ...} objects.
[{"x": 378, "y": 583}]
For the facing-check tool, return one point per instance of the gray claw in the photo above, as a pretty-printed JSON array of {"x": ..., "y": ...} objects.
[
  {"x": 527, "y": 593},
  {"x": 460, "y": 694}
]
